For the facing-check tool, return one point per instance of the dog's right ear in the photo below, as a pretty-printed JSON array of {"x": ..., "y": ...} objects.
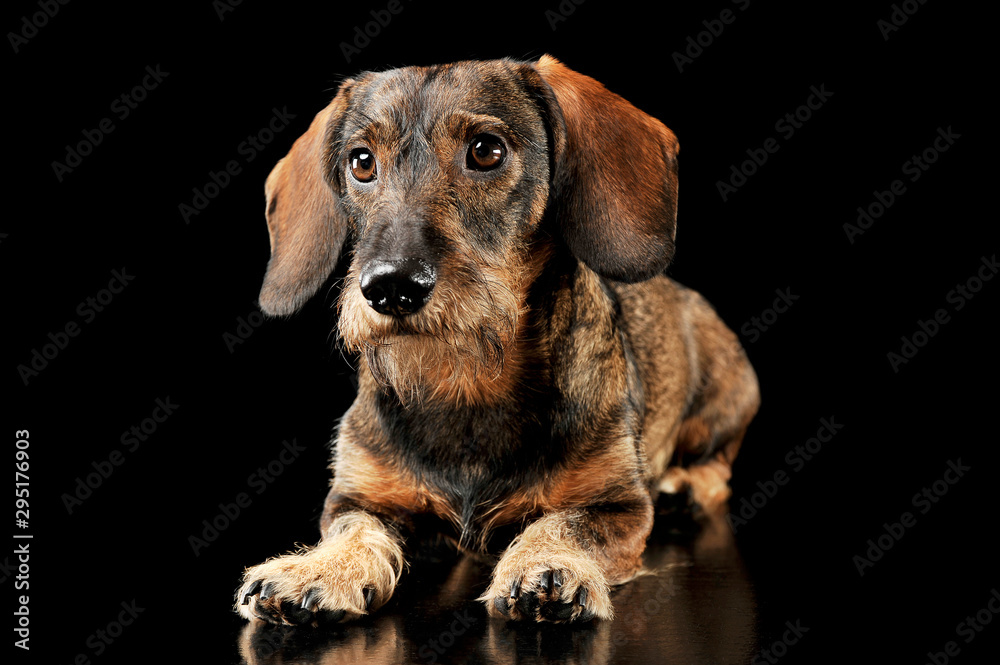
[
  {"x": 304, "y": 218},
  {"x": 615, "y": 176}
]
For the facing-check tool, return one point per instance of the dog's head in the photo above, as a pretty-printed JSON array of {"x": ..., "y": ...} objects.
[{"x": 441, "y": 177}]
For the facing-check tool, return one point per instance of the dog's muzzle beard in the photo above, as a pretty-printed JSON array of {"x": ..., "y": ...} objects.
[{"x": 454, "y": 346}]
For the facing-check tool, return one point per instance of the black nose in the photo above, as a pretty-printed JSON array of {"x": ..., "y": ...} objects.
[{"x": 397, "y": 287}]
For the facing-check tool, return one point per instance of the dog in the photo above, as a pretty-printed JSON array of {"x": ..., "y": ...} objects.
[{"x": 530, "y": 383}]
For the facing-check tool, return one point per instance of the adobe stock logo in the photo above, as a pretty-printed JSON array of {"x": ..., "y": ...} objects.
[
  {"x": 244, "y": 328},
  {"x": 786, "y": 126},
  {"x": 927, "y": 329},
  {"x": 695, "y": 46},
  {"x": 780, "y": 647},
  {"x": 796, "y": 459},
  {"x": 913, "y": 168},
  {"x": 753, "y": 328},
  {"x": 223, "y": 7},
  {"x": 88, "y": 310},
  {"x": 968, "y": 629},
  {"x": 898, "y": 17},
  {"x": 562, "y": 12},
  {"x": 131, "y": 440},
  {"x": 433, "y": 648},
  {"x": 30, "y": 25},
  {"x": 249, "y": 149},
  {"x": 122, "y": 107},
  {"x": 212, "y": 528},
  {"x": 923, "y": 500}
]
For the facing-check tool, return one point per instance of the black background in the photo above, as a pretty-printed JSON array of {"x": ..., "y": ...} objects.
[{"x": 826, "y": 357}]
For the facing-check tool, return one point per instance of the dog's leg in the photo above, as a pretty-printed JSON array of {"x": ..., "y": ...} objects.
[
  {"x": 561, "y": 567},
  {"x": 352, "y": 571},
  {"x": 704, "y": 485},
  {"x": 712, "y": 431}
]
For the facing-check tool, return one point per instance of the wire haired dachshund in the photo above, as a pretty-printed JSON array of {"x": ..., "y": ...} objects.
[{"x": 530, "y": 383}]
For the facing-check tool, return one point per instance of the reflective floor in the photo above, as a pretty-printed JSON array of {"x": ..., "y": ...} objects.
[{"x": 697, "y": 605}]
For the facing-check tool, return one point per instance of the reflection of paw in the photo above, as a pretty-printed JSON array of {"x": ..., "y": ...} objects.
[
  {"x": 584, "y": 644},
  {"x": 545, "y": 576},
  {"x": 350, "y": 573},
  {"x": 380, "y": 642}
]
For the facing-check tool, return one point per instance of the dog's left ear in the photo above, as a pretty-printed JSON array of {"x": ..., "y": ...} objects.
[
  {"x": 304, "y": 218},
  {"x": 615, "y": 179}
]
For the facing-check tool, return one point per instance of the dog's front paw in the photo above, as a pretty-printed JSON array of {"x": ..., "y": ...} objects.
[
  {"x": 295, "y": 589},
  {"x": 545, "y": 576},
  {"x": 352, "y": 572},
  {"x": 558, "y": 596}
]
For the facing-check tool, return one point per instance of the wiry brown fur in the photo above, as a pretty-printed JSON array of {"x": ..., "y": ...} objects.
[{"x": 553, "y": 382}]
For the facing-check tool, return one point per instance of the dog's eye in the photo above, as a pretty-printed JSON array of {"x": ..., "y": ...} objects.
[
  {"x": 485, "y": 153},
  {"x": 363, "y": 165}
]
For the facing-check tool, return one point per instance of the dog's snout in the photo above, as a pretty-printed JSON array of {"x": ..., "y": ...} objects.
[{"x": 397, "y": 287}]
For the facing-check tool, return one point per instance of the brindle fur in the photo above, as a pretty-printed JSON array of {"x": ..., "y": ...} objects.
[{"x": 554, "y": 384}]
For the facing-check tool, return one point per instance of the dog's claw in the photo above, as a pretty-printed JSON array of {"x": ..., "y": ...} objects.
[
  {"x": 369, "y": 597},
  {"x": 515, "y": 589},
  {"x": 586, "y": 614},
  {"x": 250, "y": 592},
  {"x": 268, "y": 591},
  {"x": 310, "y": 599},
  {"x": 295, "y": 615},
  {"x": 557, "y": 579},
  {"x": 502, "y": 605},
  {"x": 546, "y": 582}
]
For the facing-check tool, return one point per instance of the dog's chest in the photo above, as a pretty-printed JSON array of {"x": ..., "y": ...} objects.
[{"x": 476, "y": 462}]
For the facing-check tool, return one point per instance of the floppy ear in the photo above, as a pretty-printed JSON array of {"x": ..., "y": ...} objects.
[
  {"x": 615, "y": 177},
  {"x": 304, "y": 218}
]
